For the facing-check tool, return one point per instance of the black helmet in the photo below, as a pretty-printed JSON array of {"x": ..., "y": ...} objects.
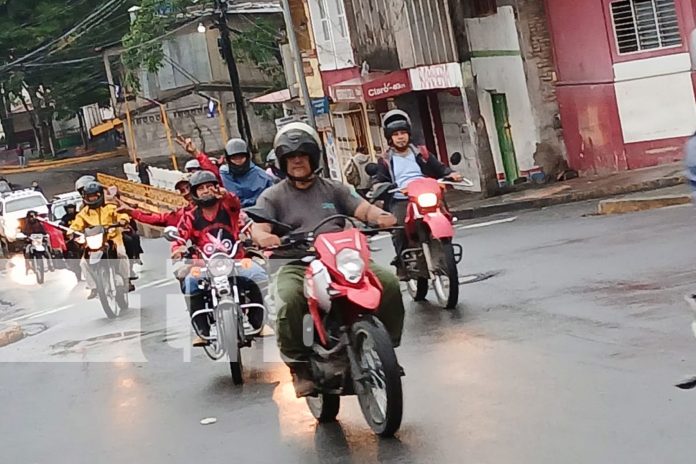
[
  {"x": 31, "y": 216},
  {"x": 395, "y": 120},
  {"x": 94, "y": 188},
  {"x": 297, "y": 137},
  {"x": 70, "y": 205},
  {"x": 238, "y": 147},
  {"x": 200, "y": 178}
]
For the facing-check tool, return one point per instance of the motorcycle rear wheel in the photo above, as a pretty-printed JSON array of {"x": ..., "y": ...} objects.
[
  {"x": 324, "y": 407},
  {"x": 381, "y": 400}
]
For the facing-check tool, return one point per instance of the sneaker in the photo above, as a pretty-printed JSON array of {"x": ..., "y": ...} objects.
[
  {"x": 92, "y": 294},
  {"x": 200, "y": 342}
]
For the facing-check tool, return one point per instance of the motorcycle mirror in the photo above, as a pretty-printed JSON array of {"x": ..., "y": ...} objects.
[
  {"x": 258, "y": 215},
  {"x": 456, "y": 158},
  {"x": 371, "y": 169},
  {"x": 171, "y": 234}
]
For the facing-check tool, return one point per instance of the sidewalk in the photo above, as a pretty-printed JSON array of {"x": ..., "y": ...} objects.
[
  {"x": 40, "y": 166},
  {"x": 468, "y": 206}
]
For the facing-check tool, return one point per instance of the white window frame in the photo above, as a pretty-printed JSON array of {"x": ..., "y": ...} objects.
[
  {"x": 660, "y": 38},
  {"x": 324, "y": 20}
]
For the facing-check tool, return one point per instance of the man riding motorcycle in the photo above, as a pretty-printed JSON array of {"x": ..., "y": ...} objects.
[
  {"x": 272, "y": 168},
  {"x": 215, "y": 215},
  {"x": 402, "y": 163},
  {"x": 301, "y": 201},
  {"x": 239, "y": 175},
  {"x": 192, "y": 166},
  {"x": 69, "y": 216},
  {"x": 97, "y": 213},
  {"x": 33, "y": 226}
]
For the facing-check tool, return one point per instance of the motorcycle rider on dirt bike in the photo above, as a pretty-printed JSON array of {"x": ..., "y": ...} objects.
[
  {"x": 215, "y": 216},
  {"x": 97, "y": 213},
  {"x": 33, "y": 226},
  {"x": 301, "y": 201},
  {"x": 239, "y": 175},
  {"x": 403, "y": 162}
]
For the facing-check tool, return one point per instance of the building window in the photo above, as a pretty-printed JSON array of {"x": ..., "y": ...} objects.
[
  {"x": 342, "y": 22},
  {"x": 323, "y": 14},
  {"x": 642, "y": 25}
]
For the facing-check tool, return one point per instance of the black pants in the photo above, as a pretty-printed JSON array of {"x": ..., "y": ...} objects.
[
  {"x": 131, "y": 242},
  {"x": 399, "y": 208}
]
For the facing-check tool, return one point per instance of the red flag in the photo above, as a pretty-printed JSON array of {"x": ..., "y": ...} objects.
[{"x": 56, "y": 237}]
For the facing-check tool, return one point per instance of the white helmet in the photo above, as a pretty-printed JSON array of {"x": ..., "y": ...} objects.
[{"x": 192, "y": 165}]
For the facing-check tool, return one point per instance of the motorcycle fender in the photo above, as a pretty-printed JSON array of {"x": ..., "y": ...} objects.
[
  {"x": 368, "y": 295},
  {"x": 95, "y": 257},
  {"x": 440, "y": 226}
]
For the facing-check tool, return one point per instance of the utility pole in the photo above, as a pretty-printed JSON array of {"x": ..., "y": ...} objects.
[
  {"x": 226, "y": 46},
  {"x": 297, "y": 59}
]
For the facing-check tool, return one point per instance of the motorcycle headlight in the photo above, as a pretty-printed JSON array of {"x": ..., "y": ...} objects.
[
  {"x": 350, "y": 264},
  {"x": 220, "y": 266},
  {"x": 95, "y": 242},
  {"x": 427, "y": 200}
]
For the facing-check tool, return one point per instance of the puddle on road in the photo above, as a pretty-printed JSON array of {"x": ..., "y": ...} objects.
[{"x": 77, "y": 346}]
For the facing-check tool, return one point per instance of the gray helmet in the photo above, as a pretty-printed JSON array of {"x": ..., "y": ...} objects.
[
  {"x": 238, "y": 147},
  {"x": 395, "y": 120},
  {"x": 82, "y": 182},
  {"x": 200, "y": 178},
  {"x": 271, "y": 157},
  {"x": 192, "y": 165}
]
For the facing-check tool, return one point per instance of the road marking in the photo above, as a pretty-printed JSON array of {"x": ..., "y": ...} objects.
[
  {"x": 36, "y": 314},
  {"x": 166, "y": 284},
  {"x": 154, "y": 283},
  {"x": 489, "y": 223}
]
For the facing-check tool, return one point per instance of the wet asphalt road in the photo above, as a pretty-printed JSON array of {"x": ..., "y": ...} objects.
[{"x": 568, "y": 354}]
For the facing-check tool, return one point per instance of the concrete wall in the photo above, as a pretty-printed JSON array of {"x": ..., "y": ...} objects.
[
  {"x": 498, "y": 67},
  {"x": 187, "y": 113},
  {"x": 455, "y": 129}
]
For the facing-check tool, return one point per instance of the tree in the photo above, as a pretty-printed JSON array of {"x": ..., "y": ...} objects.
[{"x": 48, "y": 61}]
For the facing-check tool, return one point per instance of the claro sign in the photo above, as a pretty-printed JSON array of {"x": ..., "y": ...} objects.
[{"x": 387, "y": 86}]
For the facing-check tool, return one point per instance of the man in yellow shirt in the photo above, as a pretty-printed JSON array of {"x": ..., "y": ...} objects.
[{"x": 97, "y": 213}]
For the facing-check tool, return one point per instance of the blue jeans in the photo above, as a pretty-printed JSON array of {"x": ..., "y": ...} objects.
[{"x": 255, "y": 273}]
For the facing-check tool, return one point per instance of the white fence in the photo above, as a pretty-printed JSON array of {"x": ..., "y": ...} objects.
[{"x": 162, "y": 178}]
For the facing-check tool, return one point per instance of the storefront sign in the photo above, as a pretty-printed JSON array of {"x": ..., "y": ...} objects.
[
  {"x": 387, "y": 86},
  {"x": 320, "y": 106},
  {"x": 439, "y": 76},
  {"x": 347, "y": 93}
]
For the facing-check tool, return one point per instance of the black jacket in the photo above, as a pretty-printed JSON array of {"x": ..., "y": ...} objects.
[{"x": 429, "y": 164}]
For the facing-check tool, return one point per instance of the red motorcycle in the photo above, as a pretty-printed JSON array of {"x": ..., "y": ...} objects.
[
  {"x": 431, "y": 254},
  {"x": 352, "y": 351}
]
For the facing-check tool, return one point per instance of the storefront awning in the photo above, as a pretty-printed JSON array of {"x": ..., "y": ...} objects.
[
  {"x": 374, "y": 86},
  {"x": 280, "y": 96}
]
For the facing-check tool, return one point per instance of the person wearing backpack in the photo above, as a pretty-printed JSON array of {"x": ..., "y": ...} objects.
[{"x": 402, "y": 163}]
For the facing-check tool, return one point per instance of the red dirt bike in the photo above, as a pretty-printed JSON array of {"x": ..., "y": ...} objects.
[
  {"x": 431, "y": 254},
  {"x": 352, "y": 351}
]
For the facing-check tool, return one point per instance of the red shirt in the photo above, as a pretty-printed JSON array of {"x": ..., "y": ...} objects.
[
  {"x": 171, "y": 218},
  {"x": 223, "y": 223}
]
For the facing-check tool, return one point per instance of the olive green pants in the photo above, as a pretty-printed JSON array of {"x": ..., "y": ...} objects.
[{"x": 292, "y": 309}]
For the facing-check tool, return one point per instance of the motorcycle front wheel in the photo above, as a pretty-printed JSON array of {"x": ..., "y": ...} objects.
[
  {"x": 39, "y": 269},
  {"x": 379, "y": 392},
  {"x": 228, "y": 329},
  {"x": 446, "y": 281},
  {"x": 112, "y": 297}
]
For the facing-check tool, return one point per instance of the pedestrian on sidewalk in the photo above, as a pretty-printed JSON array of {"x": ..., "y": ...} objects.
[
  {"x": 143, "y": 171},
  {"x": 20, "y": 156}
]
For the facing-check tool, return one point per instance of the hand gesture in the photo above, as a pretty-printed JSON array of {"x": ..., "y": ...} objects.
[{"x": 187, "y": 144}]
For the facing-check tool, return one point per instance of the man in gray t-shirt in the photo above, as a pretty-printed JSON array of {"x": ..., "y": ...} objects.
[
  {"x": 303, "y": 209},
  {"x": 301, "y": 201}
]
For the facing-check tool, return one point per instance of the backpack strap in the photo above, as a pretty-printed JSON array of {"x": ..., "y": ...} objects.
[{"x": 424, "y": 152}]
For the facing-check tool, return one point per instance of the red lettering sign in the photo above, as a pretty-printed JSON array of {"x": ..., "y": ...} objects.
[{"x": 387, "y": 86}]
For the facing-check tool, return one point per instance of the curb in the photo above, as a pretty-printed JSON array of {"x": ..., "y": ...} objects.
[
  {"x": 634, "y": 205},
  {"x": 538, "y": 203},
  {"x": 10, "y": 335},
  {"x": 40, "y": 167}
]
